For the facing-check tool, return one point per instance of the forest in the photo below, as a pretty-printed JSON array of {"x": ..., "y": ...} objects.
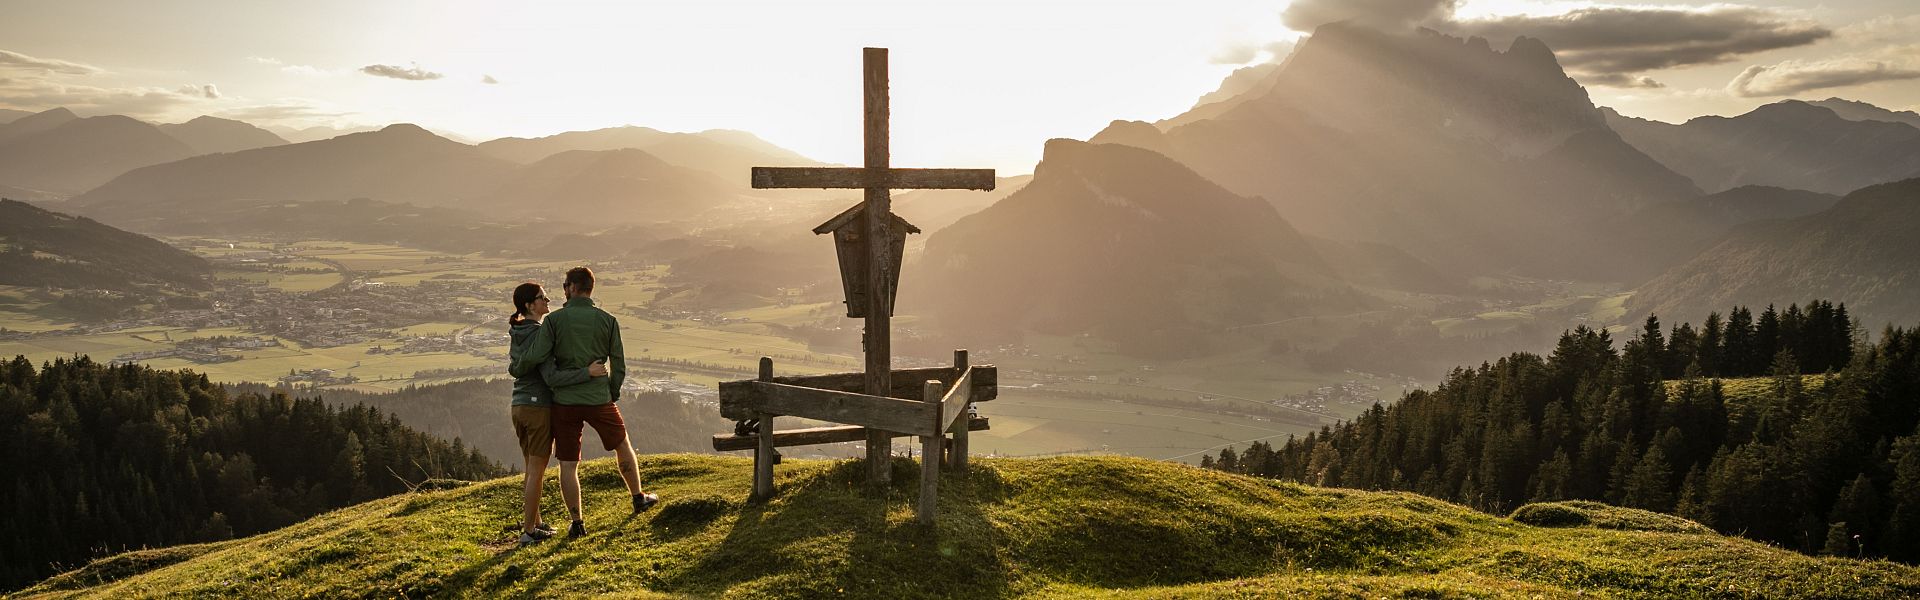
[
  {"x": 109, "y": 458},
  {"x": 1824, "y": 457}
]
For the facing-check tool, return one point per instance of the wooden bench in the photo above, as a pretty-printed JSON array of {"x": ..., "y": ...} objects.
[{"x": 931, "y": 403}]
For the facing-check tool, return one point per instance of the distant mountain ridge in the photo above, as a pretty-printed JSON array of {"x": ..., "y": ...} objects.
[
  {"x": 1790, "y": 144},
  {"x": 1854, "y": 110},
  {"x": 725, "y": 153},
  {"x": 57, "y": 151},
  {"x": 208, "y": 135},
  {"x": 1665, "y": 235},
  {"x": 401, "y": 163}
]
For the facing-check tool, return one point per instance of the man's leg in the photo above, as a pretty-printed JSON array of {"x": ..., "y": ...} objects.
[
  {"x": 629, "y": 467},
  {"x": 570, "y": 486}
]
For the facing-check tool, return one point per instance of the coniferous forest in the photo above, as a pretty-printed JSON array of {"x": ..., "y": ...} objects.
[
  {"x": 110, "y": 458},
  {"x": 1822, "y": 455}
]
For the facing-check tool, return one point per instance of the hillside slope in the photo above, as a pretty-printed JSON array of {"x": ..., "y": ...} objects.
[
  {"x": 1062, "y": 527},
  {"x": 1860, "y": 251}
]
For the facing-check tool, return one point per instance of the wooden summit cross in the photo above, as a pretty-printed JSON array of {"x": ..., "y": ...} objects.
[{"x": 870, "y": 240}]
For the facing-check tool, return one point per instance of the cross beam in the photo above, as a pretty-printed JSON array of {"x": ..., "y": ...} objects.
[{"x": 862, "y": 178}]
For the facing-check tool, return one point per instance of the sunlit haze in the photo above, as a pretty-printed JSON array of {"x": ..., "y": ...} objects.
[{"x": 975, "y": 83}]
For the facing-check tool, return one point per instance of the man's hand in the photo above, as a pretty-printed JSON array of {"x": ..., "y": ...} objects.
[{"x": 597, "y": 369}]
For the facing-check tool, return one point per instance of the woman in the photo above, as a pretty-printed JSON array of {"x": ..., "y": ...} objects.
[{"x": 533, "y": 403}]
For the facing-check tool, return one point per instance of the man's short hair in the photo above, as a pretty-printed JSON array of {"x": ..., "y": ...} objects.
[{"x": 580, "y": 280}]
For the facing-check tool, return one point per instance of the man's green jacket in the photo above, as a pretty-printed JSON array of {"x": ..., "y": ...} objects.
[{"x": 575, "y": 336}]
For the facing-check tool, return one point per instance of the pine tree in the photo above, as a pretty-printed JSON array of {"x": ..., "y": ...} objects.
[
  {"x": 1649, "y": 485},
  {"x": 1712, "y": 340},
  {"x": 1737, "y": 355}
]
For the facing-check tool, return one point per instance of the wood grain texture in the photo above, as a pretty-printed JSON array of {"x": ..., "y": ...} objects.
[
  {"x": 932, "y": 447},
  {"x": 892, "y": 414},
  {"x": 766, "y": 178},
  {"x": 726, "y": 442}
]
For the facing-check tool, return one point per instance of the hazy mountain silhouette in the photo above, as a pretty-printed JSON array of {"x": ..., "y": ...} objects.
[
  {"x": 315, "y": 133},
  {"x": 207, "y": 135},
  {"x": 35, "y": 123},
  {"x": 1125, "y": 243},
  {"x": 8, "y": 115},
  {"x": 42, "y": 247},
  {"x": 401, "y": 163},
  {"x": 1854, "y": 110},
  {"x": 1789, "y": 144},
  {"x": 1667, "y": 234},
  {"x": 933, "y": 210},
  {"x": 1475, "y": 158},
  {"x": 728, "y": 154},
  {"x": 1861, "y": 252},
  {"x": 605, "y": 186},
  {"x": 78, "y": 154}
]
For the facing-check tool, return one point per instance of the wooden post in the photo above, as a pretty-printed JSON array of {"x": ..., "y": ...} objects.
[
  {"x": 930, "y": 448},
  {"x": 763, "y": 453},
  {"x": 957, "y": 457},
  {"x": 879, "y": 348}
]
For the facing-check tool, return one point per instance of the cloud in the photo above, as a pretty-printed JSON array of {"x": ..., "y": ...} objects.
[
  {"x": 1794, "y": 76},
  {"x": 18, "y": 61},
  {"x": 410, "y": 74},
  {"x": 138, "y": 102},
  {"x": 263, "y": 60},
  {"x": 207, "y": 91},
  {"x": 1625, "y": 40},
  {"x": 288, "y": 108},
  {"x": 1620, "y": 80},
  {"x": 488, "y": 79},
  {"x": 1236, "y": 54},
  {"x": 1306, "y": 15}
]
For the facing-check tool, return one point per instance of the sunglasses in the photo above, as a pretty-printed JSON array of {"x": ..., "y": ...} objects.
[{"x": 540, "y": 297}]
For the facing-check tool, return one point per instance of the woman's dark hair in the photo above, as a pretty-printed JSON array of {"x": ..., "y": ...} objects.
[{"x": 523, "y": 297}]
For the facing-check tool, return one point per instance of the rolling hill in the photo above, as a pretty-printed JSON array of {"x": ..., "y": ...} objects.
[
  {"x": 1664, "y": 235},
  {"x": 209, "y": 135},
  {"x": 1860, "y": 252},
  {"x": 44, "y": 248},
  {"x": 607, "y": 186},
  {"x": 401, "y": 163},
  {"x": 1061, "y": 527}
]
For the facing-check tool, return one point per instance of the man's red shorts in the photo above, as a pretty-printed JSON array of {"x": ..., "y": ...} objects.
[{"x": 567, "y": 428}]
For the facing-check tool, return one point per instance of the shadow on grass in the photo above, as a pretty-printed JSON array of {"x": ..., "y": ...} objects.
[{"x": 791, "y": 540}]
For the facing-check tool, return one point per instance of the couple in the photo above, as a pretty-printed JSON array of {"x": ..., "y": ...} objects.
[{"x": 562, "y": 384}]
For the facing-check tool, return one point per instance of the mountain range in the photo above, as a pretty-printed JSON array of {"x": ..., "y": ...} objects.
[
  {"x": 1471, "y": 156},
  {"x": 1126, "y": 243},
  {"x": 59, "y": 152},
  {"x": 1790, "y": 144}
]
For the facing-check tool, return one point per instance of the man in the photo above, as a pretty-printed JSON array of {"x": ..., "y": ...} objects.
[{"x": 576, "y": 336}]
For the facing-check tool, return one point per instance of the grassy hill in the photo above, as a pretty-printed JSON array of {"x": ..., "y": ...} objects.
[{"x": 1060, "y": 527}]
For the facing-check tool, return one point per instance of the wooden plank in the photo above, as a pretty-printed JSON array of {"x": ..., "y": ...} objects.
[
  {"x": 957, "y": 451},
  {"x": 725, "y": 442},
  {"x": 955, "y": 403},
  {"x": 862, "y": 178},
  {"x": 892, "y": 414},
  {"x": 985, "y": 388},
  {"x": 877, "y": 342},
  {"x": 932, "y": 447}
]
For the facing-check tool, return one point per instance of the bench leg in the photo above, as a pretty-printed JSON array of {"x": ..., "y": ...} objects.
[{"x": 763, "y": 458}]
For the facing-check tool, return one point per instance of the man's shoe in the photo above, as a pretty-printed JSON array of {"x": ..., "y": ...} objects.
[
  {"x": 644, "y": 501},
  {"x": 545, "y": 527},
  {"x": 577, "y": 529},
  {"x": 534, "y": 537}
]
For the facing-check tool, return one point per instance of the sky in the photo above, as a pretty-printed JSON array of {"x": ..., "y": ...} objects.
[{"x": 975, "y": 84}]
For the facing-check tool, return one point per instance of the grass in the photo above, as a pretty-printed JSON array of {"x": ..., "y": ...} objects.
[{"x": 1053, "y": 528}]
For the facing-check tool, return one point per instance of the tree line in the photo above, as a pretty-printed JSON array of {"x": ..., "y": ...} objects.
[
  {"x": 1832, "y": 468},
  {"x": 107, "y": 458}
]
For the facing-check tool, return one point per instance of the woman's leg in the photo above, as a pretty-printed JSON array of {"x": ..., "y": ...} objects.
[{"x": 536, "y": 477}]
